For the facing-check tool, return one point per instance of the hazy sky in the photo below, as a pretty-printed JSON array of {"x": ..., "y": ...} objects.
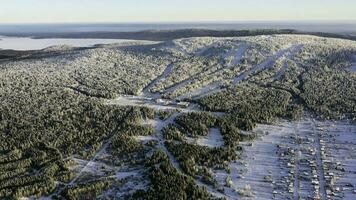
[{"x": 56, "y": 11}]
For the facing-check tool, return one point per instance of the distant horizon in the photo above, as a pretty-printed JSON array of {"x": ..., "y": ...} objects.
[
  {"x": 185, "y": 22},
  {"x": 162, "y": 11},
  {"x": 334, "y": 26}
]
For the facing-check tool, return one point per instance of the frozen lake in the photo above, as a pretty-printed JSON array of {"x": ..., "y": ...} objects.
[{"x": 26, "y": 43}]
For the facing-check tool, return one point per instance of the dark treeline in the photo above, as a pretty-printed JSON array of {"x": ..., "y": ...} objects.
[
  {"x": 193, "y": 157},
  {"x": 249, "y": 104},
  {"x": 32, "y": 171},
  {"x": 196, "y": 124},
  {"x": 168, "y": 183},
  {"x": 164, "y": 35},
  {"x": 41, "y": 125},
  {"x": 123, "y": 146},
  {"x": 199, "y": 124},
  {"x": 330, "y": 94},
  {"x": 50, "y": 112},
  {"x": 85, "y": 191}
]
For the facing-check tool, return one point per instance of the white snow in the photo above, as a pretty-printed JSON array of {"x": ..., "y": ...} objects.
[
  {"x": 144, "y": 139},
  {"x": 265, "y": 65},
  {"x": 290, "y": 160},
  {"x": 203, "y": 91},
  {"x": 165, "y": 73},
  {"x": 352, "y": 68},
  {"x": 353, "y": 65},
  {"x": 123, "y": 175},
  {"x": 288, "y": 57},
  {"x": 237, "y": 54},
  {"x": 26, "y": 43},
  {"x": 340, "y": 149},
  {"x": 143, "y": 101},
  {"x": 260, "y": 159},
  {"x": 214, "y": 139},
  {"x": 201, "y": 51},
  {"x": 179, "y": 85}
]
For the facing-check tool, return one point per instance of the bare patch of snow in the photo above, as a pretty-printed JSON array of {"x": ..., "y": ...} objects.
[
  {"x": 353, "y": 65},
  {"x": 155, "y": 103},
  {"x": 214, "y": 139},
  {"x": 352, "y": 68},
  {"x": 144, "y": 139},
  {"x": 123, "y": 175}
]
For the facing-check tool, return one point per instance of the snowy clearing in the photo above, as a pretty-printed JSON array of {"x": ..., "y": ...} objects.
[{"x": 214, "y": 139}]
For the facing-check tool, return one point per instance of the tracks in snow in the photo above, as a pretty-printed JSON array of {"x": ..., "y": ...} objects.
[
  {"x": 268, "y": 63},
  {"x": 98, "y": 154},
  {"x": 237, "y": 54},
  {"x": 91, "y": 161},
  {"x": 339, "y": 140},
  {"x": 215, "y": 87},
  {"x": 293, "y": 161},
  {"x": 286, "y": 164},
  {"x": 297, "y": 163},
  {"x": 86, "y": 167},
  {"x": 165, "y": 73},
  {"x": 159, "y": 126},
  {"x": 285, "y": 66},
  {"x": 319, "y": 162}
]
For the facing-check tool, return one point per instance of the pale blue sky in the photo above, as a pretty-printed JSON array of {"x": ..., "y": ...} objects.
[{"x": 71, "y": 11}]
